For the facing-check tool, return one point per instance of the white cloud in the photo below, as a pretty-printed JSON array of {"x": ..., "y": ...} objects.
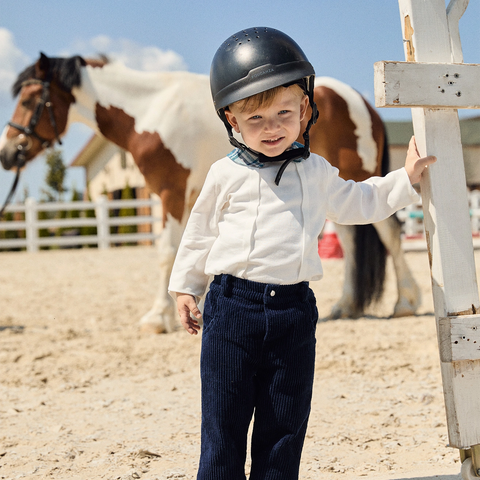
[
  {"x": 12, "y": 61},
  {"x": 130, "y": 53}
]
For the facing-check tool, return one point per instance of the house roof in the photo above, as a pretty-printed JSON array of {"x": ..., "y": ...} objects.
[
  {"x": 399, "y": 133},
  {"x": 89, "y": 151}
]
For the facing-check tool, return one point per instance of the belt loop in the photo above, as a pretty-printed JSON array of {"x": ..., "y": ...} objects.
[
  {"x": 305, "y": 290},
  {"x": 227, "y": 285}
]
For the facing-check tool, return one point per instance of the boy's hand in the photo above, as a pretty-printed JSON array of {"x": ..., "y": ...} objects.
[
  {"x": 187, "y": 306},
  {"x": 414, "y": 165}
]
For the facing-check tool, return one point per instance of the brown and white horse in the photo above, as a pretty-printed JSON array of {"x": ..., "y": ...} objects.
[{"x": 168, "y": 123}]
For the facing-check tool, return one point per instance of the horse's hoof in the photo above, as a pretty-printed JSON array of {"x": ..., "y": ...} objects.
[
  {"x": 152, "y": 328},
  {"x": 403, "y": 313},
  {"x": 154, "y": 322},
  {"x": 404, "y": 309},
  {"x": 338, "y": 313}
]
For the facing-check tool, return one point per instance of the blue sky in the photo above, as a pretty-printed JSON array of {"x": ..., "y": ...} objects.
[{"x": 342, "y": 39}]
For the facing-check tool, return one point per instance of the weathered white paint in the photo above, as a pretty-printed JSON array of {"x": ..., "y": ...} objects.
[
  {"x": 459, "y": 338},
  {"x": 358, "y": 111},
  {"x": 427, "y": 85},
  {"x": 426, "y": 36},
  {"x": 455, "y": 10}
]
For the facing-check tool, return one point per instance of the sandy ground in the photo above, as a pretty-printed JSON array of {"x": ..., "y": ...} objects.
[{"x": 85, "y": 396}]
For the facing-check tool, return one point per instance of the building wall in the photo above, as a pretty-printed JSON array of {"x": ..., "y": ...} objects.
[
  {"x": 111, "y": 170},
  {"x": 471, "y": 158}
]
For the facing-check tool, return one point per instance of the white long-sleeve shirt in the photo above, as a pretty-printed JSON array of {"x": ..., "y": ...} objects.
[{"x": 244, "y": 225}]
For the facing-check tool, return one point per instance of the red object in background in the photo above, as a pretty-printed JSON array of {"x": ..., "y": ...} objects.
[{"x": 329, "y": 245}]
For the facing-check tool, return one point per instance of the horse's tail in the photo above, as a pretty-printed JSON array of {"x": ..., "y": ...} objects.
[{"x": 370, "y": 255}]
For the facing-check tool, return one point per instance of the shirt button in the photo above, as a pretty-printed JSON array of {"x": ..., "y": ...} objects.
[{"x": 272, "y": 293}]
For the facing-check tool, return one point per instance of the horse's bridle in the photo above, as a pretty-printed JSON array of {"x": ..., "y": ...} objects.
[{"x": 29, "y": 131}]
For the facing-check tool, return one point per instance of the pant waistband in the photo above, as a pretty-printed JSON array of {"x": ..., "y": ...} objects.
[{"x": 257, "y": 290}]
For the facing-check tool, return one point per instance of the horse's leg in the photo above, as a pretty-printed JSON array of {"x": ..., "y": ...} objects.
[
  {"x": 409, "y": 296},
  {"x": 162, "y": 317},
  {"x": 345, "y": 306}
]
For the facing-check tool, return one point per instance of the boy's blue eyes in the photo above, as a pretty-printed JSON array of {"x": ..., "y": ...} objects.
[{"x": 281, "y": 112}]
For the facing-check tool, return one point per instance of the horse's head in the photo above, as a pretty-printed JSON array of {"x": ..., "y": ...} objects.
[{"x": 40, "y": 117}]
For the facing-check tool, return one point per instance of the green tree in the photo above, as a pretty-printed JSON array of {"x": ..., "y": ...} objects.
[
  {"x": 9, "y": 234},
  {"x": 67, "y": 214},
  {"x": 76, "y": 197},
  {"x": 54, "y": 179},
  {"x": 55, "y": 176}
]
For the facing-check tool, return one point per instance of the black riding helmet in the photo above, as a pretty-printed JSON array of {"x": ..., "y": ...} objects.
[{"x": 253, "y": 61}]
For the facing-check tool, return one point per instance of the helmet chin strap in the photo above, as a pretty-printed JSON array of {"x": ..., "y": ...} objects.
[{"x": 286, "y": 156}]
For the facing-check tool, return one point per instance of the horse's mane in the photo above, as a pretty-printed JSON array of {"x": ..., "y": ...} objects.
[{"x": 66, "y": 72}]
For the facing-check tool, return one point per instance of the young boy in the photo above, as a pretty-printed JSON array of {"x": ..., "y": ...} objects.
[{"x": 254, "y": 228}]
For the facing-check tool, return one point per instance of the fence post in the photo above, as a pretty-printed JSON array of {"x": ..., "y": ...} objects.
[
  {"x": 31, "y": 224},
  {"x": 103, "y": 228}
]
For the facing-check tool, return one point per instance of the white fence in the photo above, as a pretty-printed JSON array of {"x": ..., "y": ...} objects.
[
  {"x": 103, "y": 222},
  {"x": 411, "y": 217}
]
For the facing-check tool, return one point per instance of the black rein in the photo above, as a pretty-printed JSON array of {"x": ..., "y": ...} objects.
[{"x": 29, "y": 131}]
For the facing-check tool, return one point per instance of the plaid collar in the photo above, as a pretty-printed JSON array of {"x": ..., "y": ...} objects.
[{"x": 248, "y": 158}]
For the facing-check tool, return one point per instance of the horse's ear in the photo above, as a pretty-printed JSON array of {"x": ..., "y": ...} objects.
[
  {"x": 42, "y": 66},
  {"x": 80, "y": 61}
]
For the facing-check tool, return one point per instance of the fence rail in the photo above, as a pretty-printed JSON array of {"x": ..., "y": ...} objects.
[
  {"x": 103, "y": 221},
  {"x": 105, "y": 224}
]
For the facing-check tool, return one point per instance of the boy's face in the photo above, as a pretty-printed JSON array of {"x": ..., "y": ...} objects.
[{"x": 271, "y": 130}]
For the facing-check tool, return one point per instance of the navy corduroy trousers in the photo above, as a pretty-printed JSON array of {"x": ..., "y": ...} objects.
[{"x": 258, "y": 356}]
